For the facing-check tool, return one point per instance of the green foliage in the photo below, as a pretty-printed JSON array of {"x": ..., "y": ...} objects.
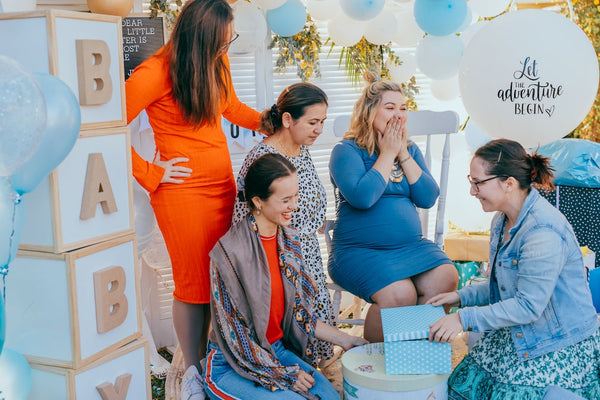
[
  {"x": 162, "y": 7},
  {"x": 301, "y": 50},
  {"x": 366, "y": 56},
  {"x": 587, "y": 14}
]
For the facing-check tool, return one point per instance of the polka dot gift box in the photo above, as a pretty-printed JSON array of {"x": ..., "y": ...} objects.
[{"x": 407, "y": 350}]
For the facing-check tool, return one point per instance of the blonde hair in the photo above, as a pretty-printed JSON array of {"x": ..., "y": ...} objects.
[{"x": 361, "y": 122}]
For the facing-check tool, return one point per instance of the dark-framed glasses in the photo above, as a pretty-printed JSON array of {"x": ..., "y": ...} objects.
[
  {"x": 233, "y": 38},
  {"x": 475, "y": 184}
]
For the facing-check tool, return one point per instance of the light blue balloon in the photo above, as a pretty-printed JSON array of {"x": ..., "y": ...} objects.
[
  {"x": 439, "y": 57},
  {"x": 22, "y": 115},
  {"x": 440, "y": 17},
  {"x": 362, "y": 10},
  {"x": 467, "y": 22},
  {"x": 12, "y": 220},
  {"x": 63, "y": 120},
  {"x": 2, "y": 324},
  {"x": 15, "y": 376},
  {"x": 287, "y": 20}
]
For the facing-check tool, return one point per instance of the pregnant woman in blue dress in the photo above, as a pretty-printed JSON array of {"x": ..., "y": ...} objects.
[{"x": 380, "y": 178}]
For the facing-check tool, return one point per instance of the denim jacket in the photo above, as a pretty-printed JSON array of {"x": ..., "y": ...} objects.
[{"x": 540, "y": 289}]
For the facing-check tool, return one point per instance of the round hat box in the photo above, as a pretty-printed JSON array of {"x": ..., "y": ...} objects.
[{"x": 363, "y": 369}]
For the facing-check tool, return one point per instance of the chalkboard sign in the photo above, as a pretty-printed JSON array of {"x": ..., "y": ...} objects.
[{"x": 142, "y": 37}]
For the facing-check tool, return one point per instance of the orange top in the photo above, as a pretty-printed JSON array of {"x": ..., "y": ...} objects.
[
  {"x": 274, "y": 331},
  {"x": 149, "y": 87}
]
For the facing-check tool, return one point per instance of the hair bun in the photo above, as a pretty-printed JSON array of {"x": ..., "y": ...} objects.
[
  {"x": 274, "y": 112},
  {"x": 371, "y": 77}
]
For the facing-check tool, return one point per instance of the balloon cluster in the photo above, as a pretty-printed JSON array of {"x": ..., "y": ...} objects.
[
  {"x": 40, "y": 120},
  {"x": 439, "y": 54}
]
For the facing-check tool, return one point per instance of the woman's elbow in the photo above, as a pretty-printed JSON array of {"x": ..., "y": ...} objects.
[
  {"x": 361, "y": 203},
  {"x": 425, "y": 203}
]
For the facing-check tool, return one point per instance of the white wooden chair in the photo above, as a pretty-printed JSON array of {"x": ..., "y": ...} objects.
[{"x": 420, "y": 123}]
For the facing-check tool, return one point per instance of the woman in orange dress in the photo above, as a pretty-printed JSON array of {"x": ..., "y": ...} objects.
[{"x": 185, "y": 88}]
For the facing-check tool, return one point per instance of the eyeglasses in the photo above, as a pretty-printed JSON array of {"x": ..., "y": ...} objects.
[
  {"x": 233, "y": 38},
  {"x": 475, "y": 184}
]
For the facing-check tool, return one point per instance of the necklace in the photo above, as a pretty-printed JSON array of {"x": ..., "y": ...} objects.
[
  {"x": 397, "y": 172},
  {"x": 285, "y": 150}
]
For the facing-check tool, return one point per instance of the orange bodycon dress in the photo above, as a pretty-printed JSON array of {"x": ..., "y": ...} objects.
[{"x": 192, "y": 215}]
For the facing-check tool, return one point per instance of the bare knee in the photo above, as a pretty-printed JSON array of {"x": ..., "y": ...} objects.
[
  {"x": 398, "y": 294},
  {"x": 441, "y": 279}
]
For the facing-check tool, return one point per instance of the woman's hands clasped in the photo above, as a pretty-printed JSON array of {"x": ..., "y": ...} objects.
[
  {"x": 393, "y": 140},
  {"x": 172, "y": 171}
]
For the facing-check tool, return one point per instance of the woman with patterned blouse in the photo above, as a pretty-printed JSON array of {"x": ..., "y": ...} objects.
[
  {"x": 294, "y": 123},
  {"x": 262, "y": 346}
]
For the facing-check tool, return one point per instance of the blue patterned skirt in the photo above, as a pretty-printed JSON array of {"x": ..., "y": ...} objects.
[{"x": 492, "y": 371}]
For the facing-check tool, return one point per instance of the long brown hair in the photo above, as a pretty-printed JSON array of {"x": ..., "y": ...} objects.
[
  {"x": 361, "y": 122},
  {"x": 197, "y": 67}
]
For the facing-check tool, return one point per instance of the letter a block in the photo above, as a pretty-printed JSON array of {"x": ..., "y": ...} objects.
[
  {"x": 70, "y": 309},
  {"x": 87, "y": 199},
  {"x": 120, "y": 375},
  {"x": 84, "y": 50}
]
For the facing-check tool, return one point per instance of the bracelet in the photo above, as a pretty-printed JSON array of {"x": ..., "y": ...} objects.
[{"x": 404, "y": 160}]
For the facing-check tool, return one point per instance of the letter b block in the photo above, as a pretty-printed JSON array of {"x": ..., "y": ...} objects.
[
  {"x": 93, "y": 72},
  {"x": 111, "y": 302},
  {"x": 69, "y": 310}
]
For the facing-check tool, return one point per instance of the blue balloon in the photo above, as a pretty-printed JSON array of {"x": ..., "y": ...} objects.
[
  {"x": 22, "y": 115},
  {"x": 362, "y": 10},
  {"x": 63, "y": 120},
  {"x": 440, "y": 17},
  {"x": 15, "y": 376},
  {"x": 287, "y": 20},
  {"x": 12, "y": 220}
]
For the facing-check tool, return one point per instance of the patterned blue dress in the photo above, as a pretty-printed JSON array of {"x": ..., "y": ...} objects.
[{"x": 377, "y": 238}]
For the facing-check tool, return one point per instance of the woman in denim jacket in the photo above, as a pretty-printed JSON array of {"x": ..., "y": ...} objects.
[{"x": 537, "y": 307}]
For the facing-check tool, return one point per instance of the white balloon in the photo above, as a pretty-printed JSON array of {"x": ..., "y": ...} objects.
[
  {"x": 265, "y": 4},
  {"x": 467, "y": 22},
  {"x": 17, "y": 5},
  {"x": 475, "y": 136},
  {"x": 462, "y": 209},
  {"x": 345, "y": 31},
  {"x": 438, "y": 57},
  {"x": 381, "y": 29},
  {"x": 406, "y": 70},
  {"x": 408, "y": 33},
  {"x": 323, "y": 10},
  {"x": 489, "y": 8},
  {"x": 251, "y": 25},
  {"x": 468, "y": 33},
  {"x": 529, "y": 76},
  {"x": 445, "y": 90}
]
